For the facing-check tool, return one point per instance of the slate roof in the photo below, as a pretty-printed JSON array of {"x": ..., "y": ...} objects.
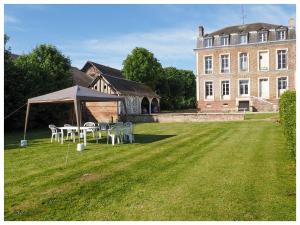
[
  {"x": 128, "y": 87},
  {"x": 245, "y": 28},
  {"x": 118, "y": 82},
  {"x": 104, "y": 69},
  {"x": 80, "y": 78}
]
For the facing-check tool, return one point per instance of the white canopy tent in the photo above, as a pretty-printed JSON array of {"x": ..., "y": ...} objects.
[{"x": 77, "y": 95}]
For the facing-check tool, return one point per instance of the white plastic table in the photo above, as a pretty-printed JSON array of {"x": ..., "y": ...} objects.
[{"x": 84, "y": 129}]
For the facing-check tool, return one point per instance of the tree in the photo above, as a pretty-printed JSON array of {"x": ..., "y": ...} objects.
[
  {"x": 12, "y": 97},
  {"x": 44, "y": 70},
  {"x": 179, "y": 92},
  {"x": 142, "y": 66}
]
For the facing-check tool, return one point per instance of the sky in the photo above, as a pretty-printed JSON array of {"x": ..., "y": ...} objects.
[{"x": 106, "y": 34}]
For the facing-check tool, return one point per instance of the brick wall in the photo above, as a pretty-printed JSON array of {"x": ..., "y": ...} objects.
[{"x": 101, "y": 111}]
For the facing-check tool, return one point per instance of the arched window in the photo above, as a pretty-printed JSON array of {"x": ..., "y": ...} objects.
[
  {"x": 154, "y": 106},
  {"x": 145, "y": 106}
]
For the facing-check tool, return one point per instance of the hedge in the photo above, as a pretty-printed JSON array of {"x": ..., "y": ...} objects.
[{"x": 287, "y": 112}]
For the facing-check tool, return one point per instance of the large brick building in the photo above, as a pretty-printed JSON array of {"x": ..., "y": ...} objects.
[{"x": 245, "y": 67}]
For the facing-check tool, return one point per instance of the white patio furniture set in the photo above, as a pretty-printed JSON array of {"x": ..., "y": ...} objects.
[{"x": 119, "y": 132}]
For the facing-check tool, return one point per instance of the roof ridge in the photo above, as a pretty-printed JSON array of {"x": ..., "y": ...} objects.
[
  {"x": 121, "y": 78},
  {"x": 244, "y": 25},
  {"x": 102, "y": 65}
]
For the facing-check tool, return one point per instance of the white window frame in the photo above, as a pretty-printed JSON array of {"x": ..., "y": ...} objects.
[
  {"x": 258, "y": 89},
  {"x": 265, "y": 34},
  {"x": 287, "y": 85},
  {"x": 249, "y": 86},
  {"x": 210, "y": 42},
  {"x": 287, "y": 62},
  {"x": 284, "y": 36},
  {"x": 248, "y": 65},
  {"x": 258, "y": 62},
  {"x": 212, "y": 64},
  {"x": 226, "y": 37},
  {"x": 220, "y": 62},
  {"x": 213, "y": 92},
  {"x": 221, "y": 90},
  {"x": 246, "y": 35}
]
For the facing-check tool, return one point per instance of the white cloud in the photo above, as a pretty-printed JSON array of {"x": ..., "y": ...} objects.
[
  {"x": 270, "y": 14},
  {"x": 167, "y": 45},
  {"x": 10, "y": 19}
]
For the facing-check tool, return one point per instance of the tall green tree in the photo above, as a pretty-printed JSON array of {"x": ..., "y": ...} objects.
[
  {"x": 43, "y": 70},
  {"x": 12, "y": 82},
  {"x": 141, "y": 66},
  {"x": 179, "y": 89}
]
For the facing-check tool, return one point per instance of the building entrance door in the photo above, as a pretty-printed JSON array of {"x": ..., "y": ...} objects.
[{"x": 264, "y": 88}]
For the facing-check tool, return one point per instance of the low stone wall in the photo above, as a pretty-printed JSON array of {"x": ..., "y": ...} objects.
[{"x": 183, "y": 117}]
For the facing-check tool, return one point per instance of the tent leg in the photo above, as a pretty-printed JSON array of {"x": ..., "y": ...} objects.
[
  {"x": 77, "y": 114},
  {"x": 26, "y": 119}
]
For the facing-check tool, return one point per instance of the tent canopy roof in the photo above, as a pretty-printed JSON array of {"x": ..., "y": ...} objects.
[{"x": 75, "y": 93}]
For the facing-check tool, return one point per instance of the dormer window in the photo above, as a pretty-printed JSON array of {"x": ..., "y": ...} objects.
[
  {"x": 208, "y": 42},
  {"x": 243, "y": 38},
  {"x": 281, "y": 34},
  {"x": 263, "y": 36},
  {"x": 224, "y": 40}
]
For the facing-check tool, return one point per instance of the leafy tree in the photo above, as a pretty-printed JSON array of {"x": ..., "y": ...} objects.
[
  {"x": 181, "y": 87},
  {"x": 142, "y": 66},
  {"x": 44, "y": 70},
  {"x": 12, "y": 79}
]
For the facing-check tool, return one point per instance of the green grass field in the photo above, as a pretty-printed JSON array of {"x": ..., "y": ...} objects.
[
  {"x": 182, "y": 171},
  {"x": 255, "y": 116}
]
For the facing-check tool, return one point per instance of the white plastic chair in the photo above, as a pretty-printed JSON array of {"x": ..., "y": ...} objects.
[
  {"x": 128, "y": 132},
  {"x": 120, "y": 126},
  {"x": 70, "y": 132},
  {"x": 119, "y": 123},
  {"x": 55, "y": 133},
  {"x": 90, "y": 124},
  {"x": 103, "y": 127},
  {"x": 114, "y": 133}
]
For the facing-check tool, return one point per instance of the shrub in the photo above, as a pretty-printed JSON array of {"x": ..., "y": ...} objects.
[{"x": 287, "y": 112}]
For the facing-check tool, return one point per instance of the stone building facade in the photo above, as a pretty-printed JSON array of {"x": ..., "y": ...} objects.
[
  {"x": 245, "y": 67},
  {"x": 139, "y": 98}
]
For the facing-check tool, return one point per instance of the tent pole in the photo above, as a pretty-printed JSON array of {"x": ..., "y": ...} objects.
[
  {"x": 26, "y": 119},
  {"x": 77, "y": 116}
]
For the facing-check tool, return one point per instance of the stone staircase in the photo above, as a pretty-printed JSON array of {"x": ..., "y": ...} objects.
[{"x": 262, "y": 105}]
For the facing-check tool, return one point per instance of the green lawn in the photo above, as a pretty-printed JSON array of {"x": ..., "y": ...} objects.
[
  {"x": 255, "y": 116},
  {"x": 181, "y": 171}
]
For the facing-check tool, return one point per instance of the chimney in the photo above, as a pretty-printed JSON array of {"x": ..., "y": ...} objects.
[
  {"x": 291, "y": 23},
  {"x": 201, "y": 31}
]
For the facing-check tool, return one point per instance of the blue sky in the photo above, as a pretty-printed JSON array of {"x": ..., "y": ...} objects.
[{"x": 107, "y": 33}]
